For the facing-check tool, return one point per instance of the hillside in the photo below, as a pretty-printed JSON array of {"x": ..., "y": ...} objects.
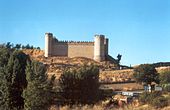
[
  {"x": 109, "y": 74},
  {"x": 55, "y": 65}
]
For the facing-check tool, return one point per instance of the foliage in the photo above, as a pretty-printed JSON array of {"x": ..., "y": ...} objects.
[
  {"x": 38, "y": 94},
  {"x": 13, "y": 80},
  {"x": 165, "y": 80},
  {"x": 146, "y": 73},
  {"x": 166, "y": 87},
  {"x": 4, "y": 56},
  {"x": 119, "y": 58},
  {"x": 147, "y": 97},
  {"x": 165, "y": 77},
  {"x": 80, "y": 85},
  {"x": 10, "y": 45},
  {"x": 29, "y": 47},
  {"x": 159, "y": 102},
  {"x": 155, "y": 99}
]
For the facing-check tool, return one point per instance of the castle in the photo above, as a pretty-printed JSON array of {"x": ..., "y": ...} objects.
[{"x": 97, "y": 50}]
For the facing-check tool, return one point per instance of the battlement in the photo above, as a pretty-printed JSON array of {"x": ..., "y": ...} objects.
[
  {"x": 55, "y": 40},
  {"x": 49, "y": 34},
  {"x": 99, "y": 36},
  {"x": 77, "y": 42},
  {"x": 97, "y": 49}
]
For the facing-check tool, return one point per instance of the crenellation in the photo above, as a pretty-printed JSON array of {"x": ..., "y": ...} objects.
[{"x": 97, "y": 49}]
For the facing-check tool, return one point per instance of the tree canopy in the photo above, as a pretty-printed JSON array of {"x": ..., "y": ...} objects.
[
  {"x": 38, "y": 94},
  {"x": 80, "y": 85},
  {"x": 146, "y": 74}
]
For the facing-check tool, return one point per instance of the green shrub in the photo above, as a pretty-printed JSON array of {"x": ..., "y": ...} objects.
[
  {"x": 147, "y": 97},
  {"x": 159, "y": 102},
  {"x": 166, "y": 87},
  {"x": 165, "y": 77},
  {"x": 80, "y": 86},
  {"x": 155, "y": 99}
]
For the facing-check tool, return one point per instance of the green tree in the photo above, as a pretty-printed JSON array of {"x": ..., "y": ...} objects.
[
  {"x": 27, "y": 46},
  {"x": 38, "y": 48},
  {"x": 17, "y": 46},
  {"x": 13, "y": 80},
  {"x": 38, "y": 94},
  {"x": 80, "y": 85},
  {"x": 23, "y": 47},
  {"x": 165, "y": 77},
  {"x": 9, "y": 45},
  {"x": 4, "y": 56},
  {"x": 146, "y": 74},
  {"x": 165, "y": 80}
]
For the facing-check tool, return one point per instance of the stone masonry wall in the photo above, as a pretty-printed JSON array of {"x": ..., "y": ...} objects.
[
  {"x": 81, "y": 50},
  {"x": 73, "y": 49},
  {"x": 97, "y": 50}
]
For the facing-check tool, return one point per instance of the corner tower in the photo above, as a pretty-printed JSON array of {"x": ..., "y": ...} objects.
[
  {"x": 99, "y": 48},
  {"x": 106, "y": 43},
  {"x": 48, "y": 44}
]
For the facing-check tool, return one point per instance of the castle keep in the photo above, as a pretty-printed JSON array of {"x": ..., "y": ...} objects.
[{"x": 97, "y": 50}]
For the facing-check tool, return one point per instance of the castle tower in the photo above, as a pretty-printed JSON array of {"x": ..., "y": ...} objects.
[
  {"x": 48, "y": 44},
  {"x": 106, "y": 43},
  {"x": 99, "y": 48}
]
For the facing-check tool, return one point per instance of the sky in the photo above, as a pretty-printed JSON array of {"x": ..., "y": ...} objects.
[{"x": 139, "y": 30}]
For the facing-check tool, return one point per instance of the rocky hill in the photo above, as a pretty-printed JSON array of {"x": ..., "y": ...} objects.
[
  {"x": 56, "y": 65},
  {"x": 109, "y": 72}
]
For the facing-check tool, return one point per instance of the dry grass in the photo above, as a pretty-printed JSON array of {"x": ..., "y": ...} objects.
[
  {"x": 163, "y": 69},
  {"x": 123, "y": 86},
  {"x": 100, "y": 107}
]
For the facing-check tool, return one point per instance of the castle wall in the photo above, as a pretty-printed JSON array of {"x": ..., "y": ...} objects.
[
  {"x": 73, "y": 49},
  {"x": 81, "y": 50},
  {"x": 60, "y": 49},
  {"x": 96, "y": 50}
]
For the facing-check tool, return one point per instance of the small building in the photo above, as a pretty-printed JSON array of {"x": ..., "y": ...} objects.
[{"x": 149, "y": 88}]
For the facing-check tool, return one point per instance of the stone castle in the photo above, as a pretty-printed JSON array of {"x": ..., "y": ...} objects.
[{"x": 97, "y": 50}]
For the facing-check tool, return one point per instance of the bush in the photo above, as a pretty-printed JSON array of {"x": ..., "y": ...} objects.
[
  {"x": 165, "y": 77},
  {"x": 159, "y": 102},
  {"x": 146, "y": 74},
  {"x": 147, "y": 97},
  {"x": 166, "y": 87},
  {"x": 80, "y": 86},
  {"x": 155, "y": 99}
]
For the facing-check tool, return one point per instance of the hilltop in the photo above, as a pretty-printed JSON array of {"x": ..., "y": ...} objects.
[{"x": 109, "y": 71}]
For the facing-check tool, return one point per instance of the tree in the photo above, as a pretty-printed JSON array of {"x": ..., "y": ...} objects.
[
  {"x": 9, "y": 45},
  {"x": 165, "y": 80},
  {"x": 165, "y": 77},
  {"x": 4, "y": 56},
  {"x": 13, "y": 80},
  {"x": 80, "y": 85},
  {"x": 27, "y": 46},
  {"x": 38, "y": 94},
  {"x": 23, "y": 47},
  {"x": 38, "y": 48},
  {"x": 17, "y": 46},
  {"x": 119, "y": 58},
  {"x": 147, "y": 74}
]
